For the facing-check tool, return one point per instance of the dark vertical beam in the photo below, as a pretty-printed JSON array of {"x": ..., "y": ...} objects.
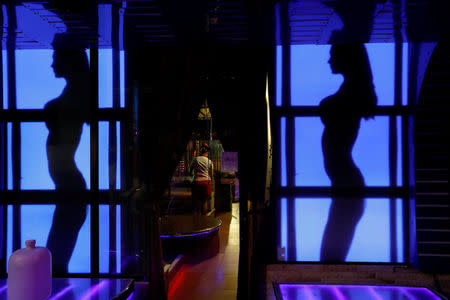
[
  {"x": 12, "y": 106},
  {"x": 408, "y": 157},
  {"x": 290, "y": 127},
  {"x": 393, "y": 136},
  {"x": 3, "y": 162},
  {"x": 112, "y": 158},
  {"x": 94, "y": 151}
]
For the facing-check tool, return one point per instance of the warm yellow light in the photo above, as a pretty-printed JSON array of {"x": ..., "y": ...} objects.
[{"x": 204, "y": 113}]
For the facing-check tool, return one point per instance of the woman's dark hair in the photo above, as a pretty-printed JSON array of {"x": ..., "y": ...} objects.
[
  {"x": 204, "y": 149},
  {"x": 73, "y": 50},
  {"x": 356, "y": 69}
]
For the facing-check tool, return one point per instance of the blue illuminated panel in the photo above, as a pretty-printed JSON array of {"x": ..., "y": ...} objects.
[
  {"x": 105, "y": 78},
  {"x": 34, "y": 164},
  {"x": 36, "y": 222},
  {"x": 103, "y": 155},
  {"x": 118, "y": 240},
  {"x": 399, "y": 152},
  {"x": 81, "y": 257},
  {"x": 371, "y": 241},
  {"x": 399, "y": 230},
  {"x": 104, "y": 147},
  {"x": 5, "y": 79},
  {"x": 118, "y": 160},
  {"x": 405, "y": 71},
  {"x": 36, "y": 82},
  {"x": 9, "y": 233},
  {"x": 33, "y": 92},
  {"x": 122, "y": 78},
  {"x": 34, "y": 167},
  {"x": 370, "y": 153},
  {"x": 311, "y": 77},
  {"x": 278, "y": 74},
  {"x": 283, "y": 226},
  {"x": 9, "y": 176},
  {"x": 283, "y": 152},
  {"x": 104, "y": 238},
  {"x": 312, "y": 80},
  {"x": 105, "y": 234}
]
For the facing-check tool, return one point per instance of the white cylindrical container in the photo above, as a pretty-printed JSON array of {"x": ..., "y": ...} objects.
[{"x": 30, "y": 273}]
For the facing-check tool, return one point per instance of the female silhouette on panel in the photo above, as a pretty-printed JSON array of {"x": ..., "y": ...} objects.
[
  {"x": 341, "y": 115},
  {"x": 66, "y": 115}
]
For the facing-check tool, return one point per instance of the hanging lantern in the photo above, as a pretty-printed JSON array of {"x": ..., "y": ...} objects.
[{"x": 204, "y": 113}]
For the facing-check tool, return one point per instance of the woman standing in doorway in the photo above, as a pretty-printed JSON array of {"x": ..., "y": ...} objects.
[
  {"x": 341, "y": 115},
  {"x": 66, "y": 116}
]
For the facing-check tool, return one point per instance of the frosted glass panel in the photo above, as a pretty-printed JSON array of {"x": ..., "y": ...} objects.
[
  {"x": 34, "y": 163},
  {"x": 371, "y": 240},
  {"x": 370, "y": 152},
  {"x": 312, "y": 80}
]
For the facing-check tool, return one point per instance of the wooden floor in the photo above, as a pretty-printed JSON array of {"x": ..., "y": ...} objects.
[{"x": 214, "y": 278}]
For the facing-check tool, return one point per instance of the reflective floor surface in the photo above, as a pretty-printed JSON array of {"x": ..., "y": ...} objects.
[
  {"x": 352, "y": 292},
  {"x": 214, "y": 278},
  {"x": 79, "y": 288}
]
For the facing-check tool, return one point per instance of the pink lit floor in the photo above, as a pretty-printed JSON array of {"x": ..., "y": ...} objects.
[
  {"x": 351, "y": 292},
  {"x": 79, "y": 288}
]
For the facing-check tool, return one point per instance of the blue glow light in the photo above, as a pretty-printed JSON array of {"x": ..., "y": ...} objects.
[
  {"x": 61, "y": 293},
  {"x": 94, "y": 290},
  {"x": 131, "y": 296},
  {"x": 371, "y": 158},
  {"x": 105, "y": 23},
  {"x": 190, "y": 235},
  {"x": 278, "y": 74},
  {"x": 283, "y": 152},
  {"x": 277, "y": 23},
  {"x": 32, "y": 19}
]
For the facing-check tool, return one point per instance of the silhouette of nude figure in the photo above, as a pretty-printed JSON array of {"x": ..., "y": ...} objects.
[
  {"x": 65, "y": 124},
  {"x": 341, "y": 115}
]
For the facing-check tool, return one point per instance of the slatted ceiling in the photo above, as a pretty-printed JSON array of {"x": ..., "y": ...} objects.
[{"x": 228, "y": 21}]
